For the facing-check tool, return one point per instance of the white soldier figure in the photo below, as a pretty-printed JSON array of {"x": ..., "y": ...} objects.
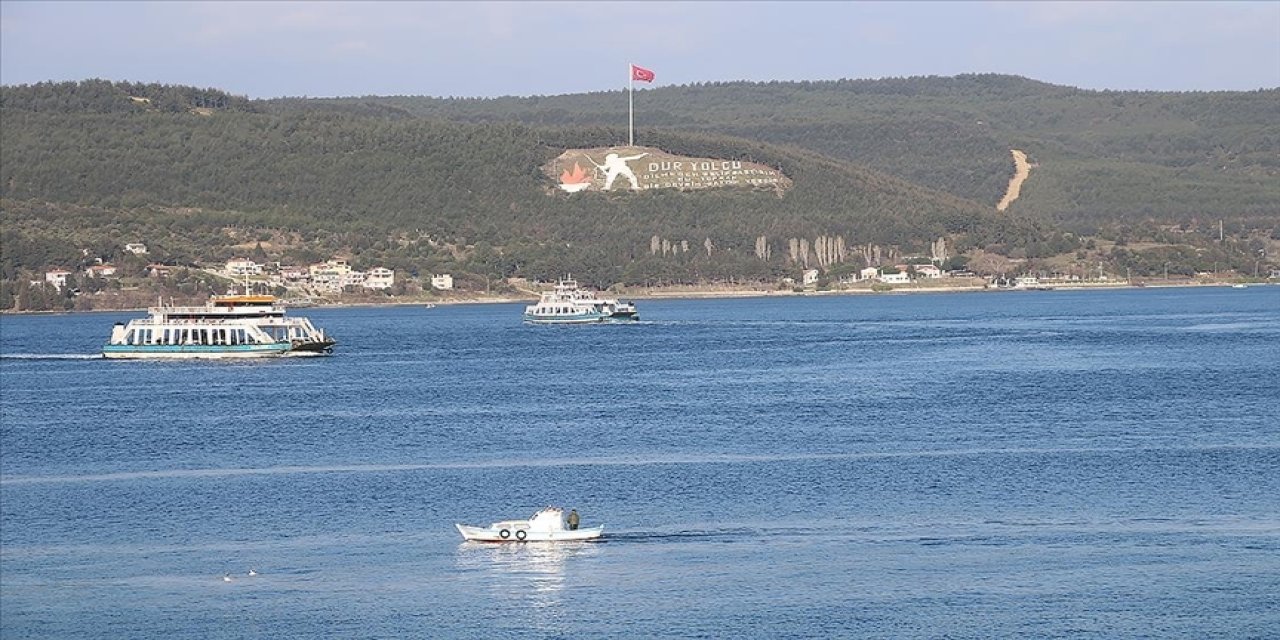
[{"x": 615, "y": 165}]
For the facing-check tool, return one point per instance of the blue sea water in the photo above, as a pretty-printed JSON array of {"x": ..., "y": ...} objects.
[{"x": 1027, "y": 465}]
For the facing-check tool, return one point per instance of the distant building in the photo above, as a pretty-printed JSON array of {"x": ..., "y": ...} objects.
[
  {"x": 810, "y": 277},
  {"x": 136, "y": 248},
  {"x": 295, "y": 274},
  {"x": 243, "y": 267},
  {"x": 379, "y": 278},
  {"x": 157, "y": 270},
  {"x": 900, "y": 277},
  {"x": 351, "y": 279},
  {"x": 100, "y": 271},
  {"x": 870, "y": 273},
  {"x": 333, "y": 275},
  {"x": 442, "y": 281},
  {"x": 928, "y": 271},
  {"x": 332, "y": 267},
  {"x": 57, "y": 278}
]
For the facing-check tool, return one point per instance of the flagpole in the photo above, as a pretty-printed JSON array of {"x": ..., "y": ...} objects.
[{"x": 631, "y": 107}]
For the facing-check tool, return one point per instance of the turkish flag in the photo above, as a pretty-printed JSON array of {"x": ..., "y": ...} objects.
[{"x": 642, "y": 74}]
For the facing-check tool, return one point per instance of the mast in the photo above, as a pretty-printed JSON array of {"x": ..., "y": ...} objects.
[{"x": 631, "y": 105}]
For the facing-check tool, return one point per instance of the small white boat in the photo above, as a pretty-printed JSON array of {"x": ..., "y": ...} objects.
[{"x": 547, "y": 525}]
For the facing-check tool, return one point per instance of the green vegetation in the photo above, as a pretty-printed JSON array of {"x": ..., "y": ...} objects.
[
  {"x": 425, "y": 185},
  {"x": 1101, "y": 156}
]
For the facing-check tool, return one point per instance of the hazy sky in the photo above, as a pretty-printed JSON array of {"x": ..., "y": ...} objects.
[{"x": 267, "y": 49}]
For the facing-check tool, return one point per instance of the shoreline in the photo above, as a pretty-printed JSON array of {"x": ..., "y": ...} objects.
[{"x": 711, "y": 294}]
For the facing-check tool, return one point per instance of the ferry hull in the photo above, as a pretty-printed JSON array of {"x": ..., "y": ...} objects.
[
  {"x": 194, "y": 351},
  {"x": 312, "y": 347},
  {"x": 582, "y": 319}
]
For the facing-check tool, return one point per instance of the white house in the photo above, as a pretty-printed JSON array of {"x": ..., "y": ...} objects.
[
  {"x": 810, "y": 277},
  {"x": 333, "y": 275},
  {"x": 332, "y": 267},
  {"x": 928, "y": 271},
  {"x": 294, "y": 274},
  {"x": 351, "y": 279},
  {"x": 136, "y": 248},
  {"x": 870, "y": 273},
  {"x": 379, "y": 278},
  {"x": 100, "y": 271},
  {"x": 157, "y": 270},
  {"x": 895, "y": 278},
  {"x": 57, "y": 277},
  {"x": 243, "y": 267},
  {"x": 442, "y": 281}
]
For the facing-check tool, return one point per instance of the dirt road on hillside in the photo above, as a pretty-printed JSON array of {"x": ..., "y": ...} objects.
[{"x": 1020, "y": 172}]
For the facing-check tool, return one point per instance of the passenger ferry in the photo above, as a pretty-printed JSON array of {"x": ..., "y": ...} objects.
[
  {"x": 569, "y": 304},
  {"x": 228, "y": 326}
]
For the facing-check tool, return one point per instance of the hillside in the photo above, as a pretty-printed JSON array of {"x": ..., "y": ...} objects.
[
  {"x": 426, "y": 185},
  {"x": 422, "y": 195},
  {"x": 1103, "y": 156}
]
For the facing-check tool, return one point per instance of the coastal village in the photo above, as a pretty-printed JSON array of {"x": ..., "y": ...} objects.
[
  {"x": 336, "y": 281},
  {"x": 301, "y": 285}
]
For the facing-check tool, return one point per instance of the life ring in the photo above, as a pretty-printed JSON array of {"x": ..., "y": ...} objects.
[
  {"x": 504, "y": 534},
  {"x": 521, "y": 534}
]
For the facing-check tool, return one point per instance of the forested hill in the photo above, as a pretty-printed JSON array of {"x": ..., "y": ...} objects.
[
  {"x": 1099, "y": 157},
  {"x": 424, "y": 194},
  {"x": 878, "y": 170}
]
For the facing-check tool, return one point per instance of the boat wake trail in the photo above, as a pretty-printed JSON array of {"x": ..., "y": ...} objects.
[
  {"x": 51, "y": 356},
  {"x": 711, "y": 535}
]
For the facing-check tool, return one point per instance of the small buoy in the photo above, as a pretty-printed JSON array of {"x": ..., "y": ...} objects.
[
  {"x": 226, "y": 577},
  {"x": 252, "y": 572}
]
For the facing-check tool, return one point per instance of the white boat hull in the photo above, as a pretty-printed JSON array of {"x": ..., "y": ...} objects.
[
  {"x": 518, "y": 534},
  {"x": 581, "y": 319},
  {"x": 194, "y": 352}
]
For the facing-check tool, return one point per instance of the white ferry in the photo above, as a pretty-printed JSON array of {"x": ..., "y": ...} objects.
[
  {"x": 568, "y": 304},
  {"x": 229, "y": 326}
]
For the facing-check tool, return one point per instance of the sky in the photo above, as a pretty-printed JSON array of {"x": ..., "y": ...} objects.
[{"x": 489, "y": 49}]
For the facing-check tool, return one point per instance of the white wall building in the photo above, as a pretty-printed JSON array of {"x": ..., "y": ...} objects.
[
  {"x": 136, "y": 248},
  {"x": 928, "y": 271},
  {"x": 332, "y": 275},
  {"x": 243, "y": 267},
  {"x": 810, "y": 277},
  {"x": 295, "y": 274},
  {"x": 100, "y": 271},
  {"x": 379, "y": 278},
  {"x": 351, "y": 279},
  {"x": 442, "y": 281},
  {"x": 57, "y": 277},
  {"x": 870, "y": 273},
  {"x": 895, "y": 278}
]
